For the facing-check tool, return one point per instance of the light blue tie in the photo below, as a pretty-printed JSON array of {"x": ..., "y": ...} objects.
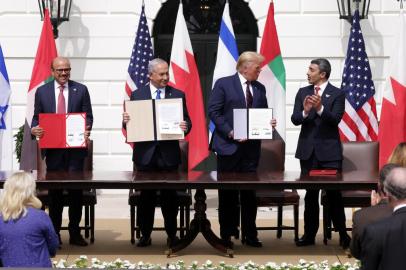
[{"x": 158, "y": 94}]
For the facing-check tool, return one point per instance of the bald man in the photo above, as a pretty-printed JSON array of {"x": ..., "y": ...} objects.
[{"x": 63, "y": 95}]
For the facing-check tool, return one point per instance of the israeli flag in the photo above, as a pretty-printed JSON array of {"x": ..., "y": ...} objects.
[
  {"x": 6, "y": 149},
  {"x": 227, "y": 53}
]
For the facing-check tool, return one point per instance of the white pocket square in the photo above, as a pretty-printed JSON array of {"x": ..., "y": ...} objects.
[{"x": 327, "y": 95}]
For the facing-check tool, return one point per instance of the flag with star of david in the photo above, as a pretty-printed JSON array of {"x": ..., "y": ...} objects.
[
  {"x": 359, "y": 122},
  {"x": 6, "y": 148}
]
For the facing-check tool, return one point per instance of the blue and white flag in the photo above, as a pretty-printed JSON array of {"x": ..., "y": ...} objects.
[
  {"x": 6, "y": 143},
  {"x": 228, "y": 52}
]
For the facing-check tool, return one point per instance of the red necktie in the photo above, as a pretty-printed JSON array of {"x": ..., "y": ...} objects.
[
  {"x": 317, "y": 89},
  {"x": 248, "y": 95},
  {"x": 61, "y": 101}
]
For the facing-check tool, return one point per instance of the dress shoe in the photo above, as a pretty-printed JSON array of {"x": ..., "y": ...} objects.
[
  {"x": 305, "y": 241},
  {"x": 144, "y": 241},
  {"x": 227, "y": 242},
  {"x": 77, "y": 240},
  {"x": 172, "y": 241},
  {"x": 345, "y": 241},
  {"x": 252, "y": 242}
]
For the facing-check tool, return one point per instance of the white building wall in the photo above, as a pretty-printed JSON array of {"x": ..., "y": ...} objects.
[{"x": 99, "y": 37}]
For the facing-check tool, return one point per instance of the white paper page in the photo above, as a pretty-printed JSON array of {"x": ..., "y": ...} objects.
[
  {"x": 170, "y": 116},
  {"x": 75, "y": 130},
  {"x": 240, "y": 124},
  {"x": 260, "y": 124}
]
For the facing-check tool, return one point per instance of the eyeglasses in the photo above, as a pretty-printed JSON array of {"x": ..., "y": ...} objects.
[{"x": 61, "y": 70}]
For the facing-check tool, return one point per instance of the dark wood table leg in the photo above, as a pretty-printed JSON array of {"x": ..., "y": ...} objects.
[{"x": 200, "y": 224}]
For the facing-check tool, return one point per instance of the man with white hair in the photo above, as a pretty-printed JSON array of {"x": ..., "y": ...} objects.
[{"x": 384, "y": 243}]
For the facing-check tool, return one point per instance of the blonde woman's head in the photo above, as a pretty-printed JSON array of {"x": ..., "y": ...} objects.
[
  {"x": 398, "y": 155},
  {"x": 18, "y": 194}
]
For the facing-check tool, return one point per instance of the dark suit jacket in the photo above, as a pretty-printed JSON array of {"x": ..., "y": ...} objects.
[
  {"x": 364, "y": 217},
  {"x": 170, "y": 150},
  {"x": 227, "y": 95},
  {"x": 320, "y": 133},
  {"x": 78, "y": 101},
  {"x": 384, "y": 243}
]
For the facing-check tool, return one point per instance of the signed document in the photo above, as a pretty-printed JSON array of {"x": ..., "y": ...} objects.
[
  {"x": 75, "y": 130},
  {"x": 154, "y": 120},
  {"x": 252, "y": 124},
  {"x": 63, "y": 130},
  {"x": 259, "y": 123},
  {"x": 169, "y": 114}
]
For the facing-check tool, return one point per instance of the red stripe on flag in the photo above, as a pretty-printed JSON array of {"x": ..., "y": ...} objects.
[
  {"x": 189, "y": 83},
  {"x": 270, "y": 44}
]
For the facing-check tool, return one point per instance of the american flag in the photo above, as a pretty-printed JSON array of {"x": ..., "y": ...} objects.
[
  {"x": 141, "y": 54},
  {"x": 359, "y": 122}
]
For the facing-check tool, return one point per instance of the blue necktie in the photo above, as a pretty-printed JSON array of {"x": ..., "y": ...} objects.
[{"x": 158, "y": 94}]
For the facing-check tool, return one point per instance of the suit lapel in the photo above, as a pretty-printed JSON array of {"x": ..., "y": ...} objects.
[
  {"x": 256, "y": 95},
  {"x": 168, "y": 92},
  {"x": 145, "y": 92},
  {"x": 72, "y": 91},
  {"x": 51, "y": 96},
  {"x": 239, "y": 91}
]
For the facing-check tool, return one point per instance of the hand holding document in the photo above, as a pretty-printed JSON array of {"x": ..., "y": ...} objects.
[{"x": 252, "y": 123}]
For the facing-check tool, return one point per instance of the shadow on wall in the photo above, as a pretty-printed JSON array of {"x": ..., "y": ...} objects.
[{"x": 74, "y": 43}]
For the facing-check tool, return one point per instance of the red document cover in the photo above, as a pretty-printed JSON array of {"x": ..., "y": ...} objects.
[
  {"x": 326, "y": 172},
  {"x": 55, "y": 130}
]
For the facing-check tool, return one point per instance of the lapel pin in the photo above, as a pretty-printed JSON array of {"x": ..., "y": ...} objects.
[
  {"x": 327, "y": 95},
  {"x": 74, "y": 89}
]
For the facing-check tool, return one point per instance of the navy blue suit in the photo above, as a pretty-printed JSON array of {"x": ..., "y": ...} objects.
[
  {"x": 64, "y": 159},
  {"x": 319, "y": 146},
  {"x": 232, "y": 155},
  {"x": 384, "y": 243},
  {"x": 158, "y": 156}
]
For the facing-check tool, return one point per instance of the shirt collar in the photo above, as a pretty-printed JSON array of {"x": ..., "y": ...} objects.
[
  {"x": 242, "y": 79},
  {"x": 154, "y": 89},
  {"x": 323, "y": 86},
  {"x": 399, "y": 206}
]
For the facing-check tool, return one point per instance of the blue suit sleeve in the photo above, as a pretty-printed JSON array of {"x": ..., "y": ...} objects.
[
  {"x": 334, "y": 116},
  {"x": 87, "y": 107},
  {"x": 216, "y": 109}
]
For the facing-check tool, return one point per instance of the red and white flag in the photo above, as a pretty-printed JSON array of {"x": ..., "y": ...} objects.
[
  {"x": 392, "y": 128},
  {"x": 185, "y": 76},
  {"x": 41, "y": 74}
]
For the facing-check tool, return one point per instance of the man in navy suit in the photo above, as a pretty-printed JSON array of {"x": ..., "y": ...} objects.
[
  {"x": 319, "y": 108},
  {"x": 62, "y": 95},
  {"x": 383, "y": 243},
  {"x": 240, "y": 90},
  {"x": 158, "y": 156}
]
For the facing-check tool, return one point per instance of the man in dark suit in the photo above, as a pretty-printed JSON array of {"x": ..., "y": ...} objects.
[
  {"x": 240, "y": 90},
  {"x": 319, "y": 108},
  {"x": 158, "y": 156},
  {"x": 384, "y": 242},
  {"x": 62, "y": 95},
  {"x": 378, "y": 210}
]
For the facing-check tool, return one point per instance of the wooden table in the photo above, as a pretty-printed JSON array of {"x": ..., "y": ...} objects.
[{"x": 354, "y": 180}]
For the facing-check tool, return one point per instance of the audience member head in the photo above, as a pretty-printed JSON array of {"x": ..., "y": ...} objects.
[
  {"x": 158, "y": 72},
  {"x": 249, "y": 65},
  {"x": 383, "y": 174},
  {"x": 398, "y": 155},
  {"x": 395, "y": 186},
  {"x": 18, "y": 194}
]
